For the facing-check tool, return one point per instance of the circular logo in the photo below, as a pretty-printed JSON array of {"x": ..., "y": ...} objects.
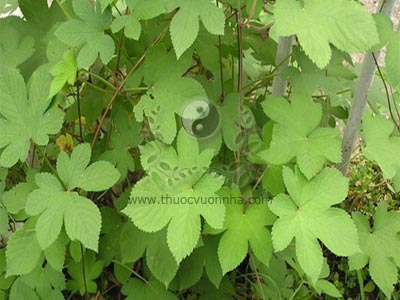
[{"x": 201, "y": 119}]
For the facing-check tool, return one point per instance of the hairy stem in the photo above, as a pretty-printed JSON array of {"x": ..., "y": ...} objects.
[
  {"x": 284, "y": 50},
  {"x": 360, "y": 98}
]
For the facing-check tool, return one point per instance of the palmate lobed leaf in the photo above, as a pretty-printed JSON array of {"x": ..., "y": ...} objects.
[
  {"x": 380, "y": 247},
  {"x": 166, "y": 86},
  {"x": 57, "y": 206},
  {"x": 307, "y": 216},
  {"x": 297, "y": 134},
  {"x": 139, "y": 10},
  {"x": 343, "y": 23},
  {"x": 87, "y": 33},
  {"x": 185, "y": 24},
  {"x": 382, "y": 145},
  {"x": 178, "y": 175},
  {"x": 14, "y": 49},
  {"x": 24, "y": 119},
  {"x": 244, "y": 229}
]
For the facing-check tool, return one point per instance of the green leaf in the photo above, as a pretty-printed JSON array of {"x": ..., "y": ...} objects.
[
  {"x": 140, "y": 10},
  {"x": 23, "y": 120},
  {"x": 384, "y": 26},
  {"x": 191, "y": 269},
  {"x": 14, "y": 48},
  {"x": 185, "y": 24},
  {"x": 15, "y": 198},
  {"x": 297, "y": 134},
  {"x": 130, "y": 24},
  {"x": 124, "y": 136},
  {"x": 381, "y": 144},
  {"x": 380, "y": 246},
  {"x": 81, "y": 217},
  {"x": 328, "y": 288},
  {"x": 55, "y": 254},
  {"x": 75, "y": 172},
  {"x": 64, "y": 72},
  {"x": 273, "y": 181},
  {"x": 3, "y": 220},
  {"x": 233, "y": 137},
  {"x": 83, "y": 222},
  {"x": 343, "y": 23},
  {"x": 18, "y": 263},
  {"x": 136, "y": 289},
  {"x": 392, "y": 59},
  {"x": 244, "y": 228},
  {"x": 87, "y": 33},
  {"x": 46, "y": 282},
  {"x": 177, "y": 175},
  {"x": 21, "y": 291},
  {"x": 307, "y": 216},
  {"x": 81, "y": 282},
  {"x": 157, "y": 105},
  {"x": 133, "y": 244}
]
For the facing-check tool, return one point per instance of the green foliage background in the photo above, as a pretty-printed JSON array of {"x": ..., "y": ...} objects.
[{"x": 92, "y": 94}]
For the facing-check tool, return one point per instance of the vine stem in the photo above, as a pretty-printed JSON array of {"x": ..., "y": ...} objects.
[
  {"x": 84, "y": 273},
  {"x": 360, "y": 98},
  {"x": 282, "y": 61},
  {"x": 361, "y": 284},
  {"x": 130, "y": 270},
  {"x": 221, "y": 66},
  {"x": 297, "y": 290},
  {"x": 78, "y": 98},
  {"x": 124, "y": 81},
  {"x": 240, "y": 88}
]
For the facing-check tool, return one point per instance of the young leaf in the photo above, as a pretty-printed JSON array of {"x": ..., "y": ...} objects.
[
  {"x": 306, "y": 215},
  {"x": 175, "y": 178},
  {"x": 23, "y": 120},
  {"x": 87, "y": 32},
  {"x": 296, "y": 134},
  {"x": 380, "y": 247},
  {"x": 63, "y": 72},
  {"x": 185, "y": 24},
  {"x": 343, "y": 23}
]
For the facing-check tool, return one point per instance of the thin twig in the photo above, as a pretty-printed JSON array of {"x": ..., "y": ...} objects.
[
  {"x": 84, "y": 273},
  {"x": 221, "y": 66},
  {"x": 386, "y": 91},
  {"x": 78, "y": 99},
  {"x": 130, "y": 270},
  {"x": 240, "y": 89},
  {"x": 120, "y": 87}
]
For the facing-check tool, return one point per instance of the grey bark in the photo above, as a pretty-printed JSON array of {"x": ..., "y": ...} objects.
[
  {"x": 365, "y": 81},
  {"x": 279, "y": 85}
]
